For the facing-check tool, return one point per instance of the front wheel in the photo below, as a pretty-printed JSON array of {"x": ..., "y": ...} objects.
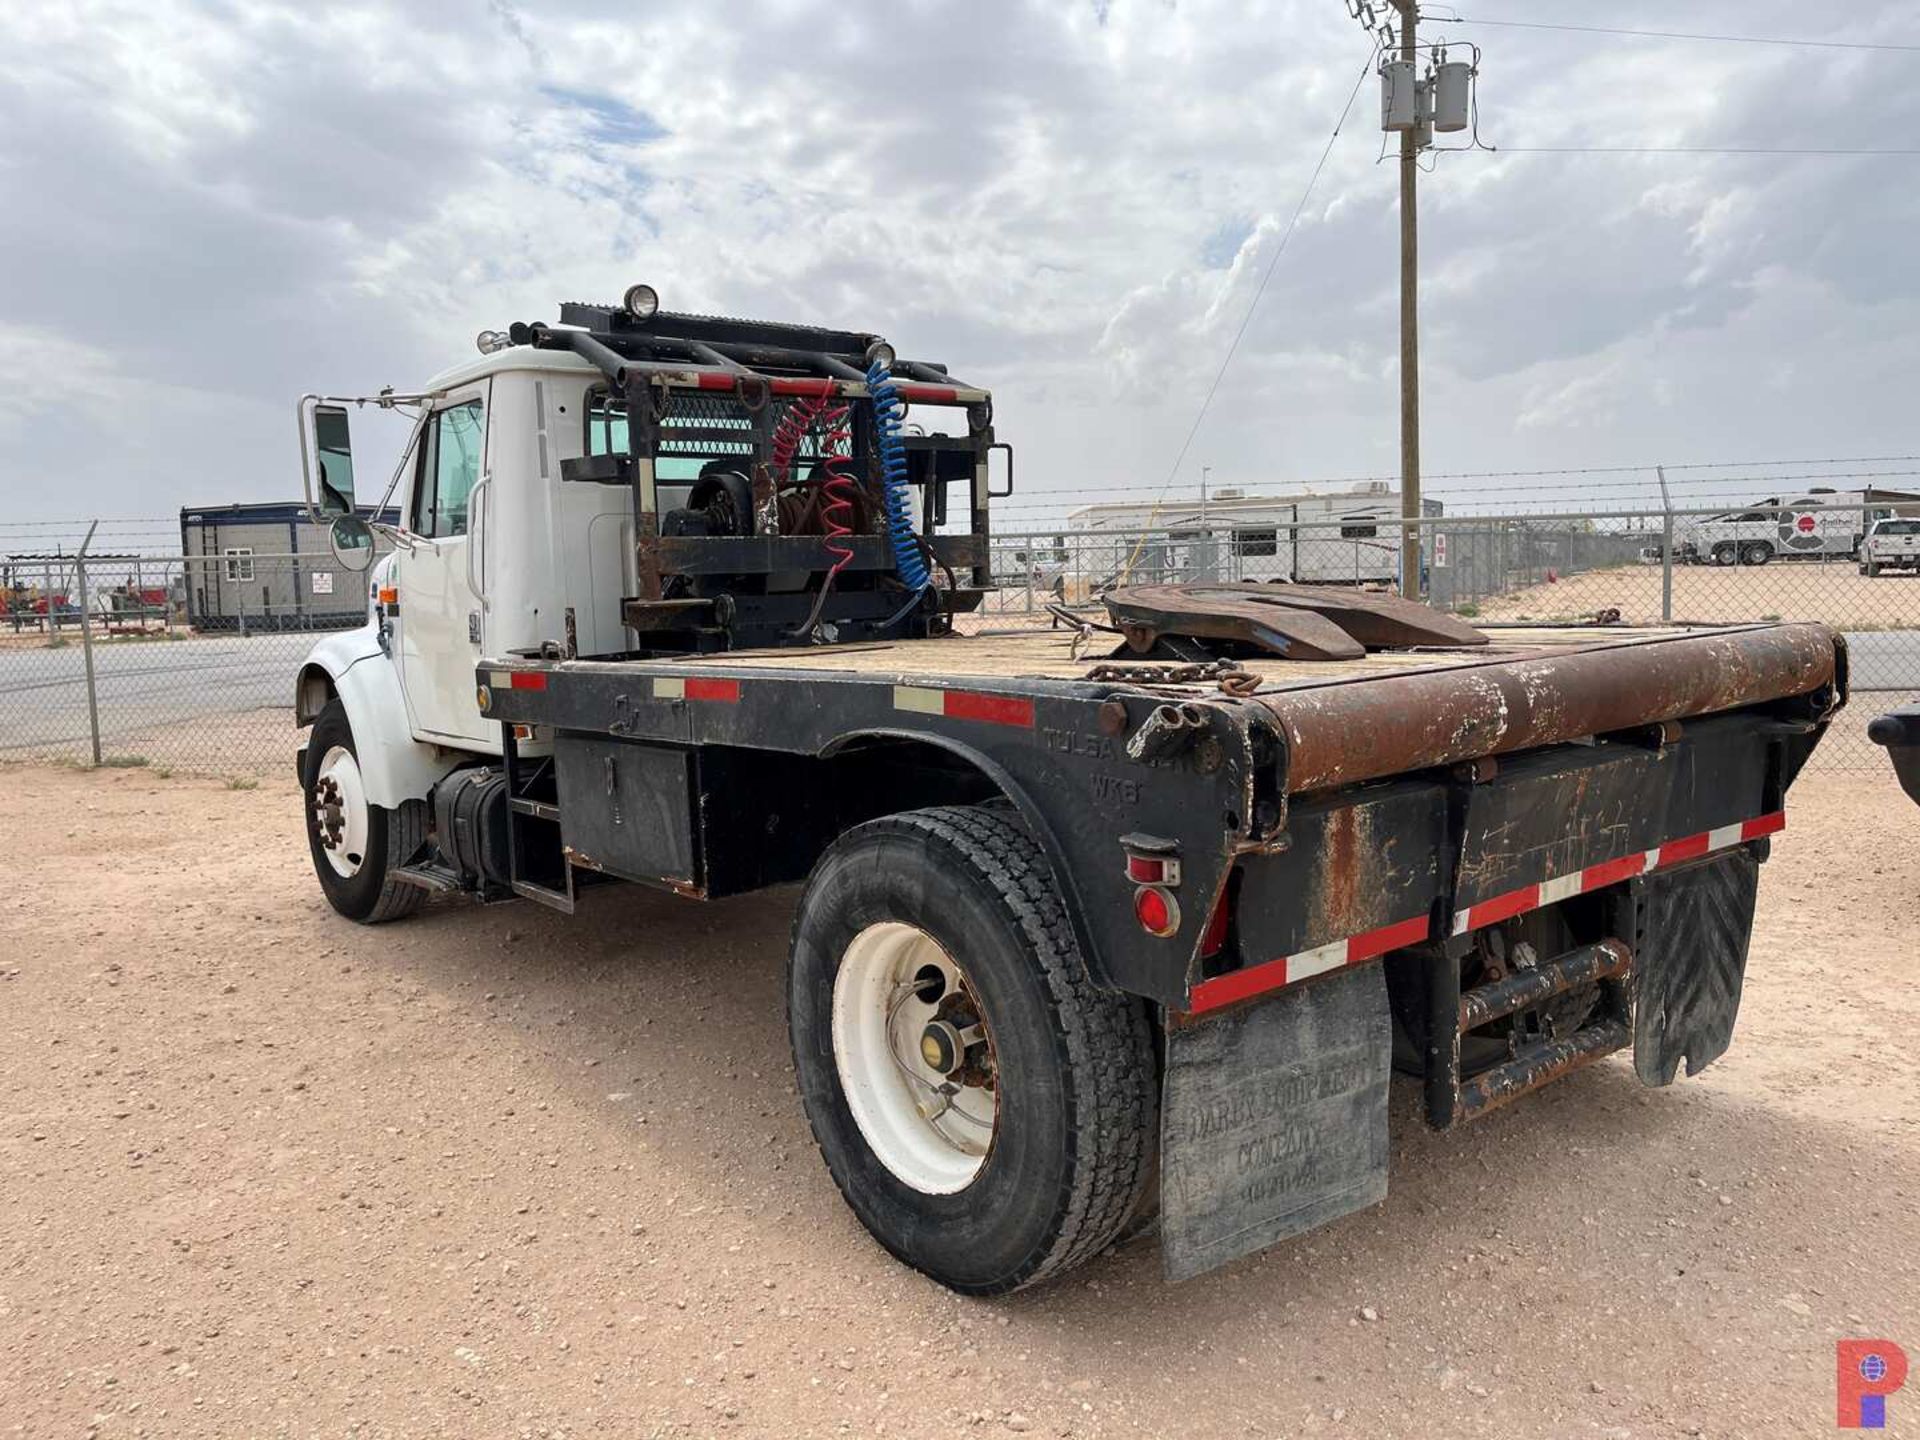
[
  {"x": 987, "y": 1111},
  {"x": 355, "y": 843}
]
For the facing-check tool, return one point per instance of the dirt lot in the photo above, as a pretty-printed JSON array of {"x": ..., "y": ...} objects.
[
  {"x": 1836, "y": 593},
  {"x": 497, "y": 1172}
]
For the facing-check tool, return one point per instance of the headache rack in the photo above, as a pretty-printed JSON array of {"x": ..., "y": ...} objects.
[{"x": 734, "y": 550}]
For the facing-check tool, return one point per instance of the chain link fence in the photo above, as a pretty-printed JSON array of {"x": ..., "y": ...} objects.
[
  {"x": 169, "y": 662},
  {"x": 188, "y": 663}
]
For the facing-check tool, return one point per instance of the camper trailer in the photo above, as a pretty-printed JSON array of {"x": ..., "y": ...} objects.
[{"x": 1348, "y": 537}]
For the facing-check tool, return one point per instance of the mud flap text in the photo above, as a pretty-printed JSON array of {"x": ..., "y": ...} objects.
[{"x": 1274, "y": 1119}]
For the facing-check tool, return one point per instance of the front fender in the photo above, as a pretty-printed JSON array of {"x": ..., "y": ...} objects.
[{"x": 351, "y": 665}]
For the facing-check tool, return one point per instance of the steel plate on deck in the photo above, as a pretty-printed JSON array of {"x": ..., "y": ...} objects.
[
  {"x": 1300, "y": 622},
  {"x": 1274, "y": 1119}
]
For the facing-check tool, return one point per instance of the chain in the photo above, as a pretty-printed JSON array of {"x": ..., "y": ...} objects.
[{"x": 1233, "y": 678}]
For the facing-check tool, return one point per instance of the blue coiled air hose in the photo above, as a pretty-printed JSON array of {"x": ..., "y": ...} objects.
[{"x": 894, "y": 487}]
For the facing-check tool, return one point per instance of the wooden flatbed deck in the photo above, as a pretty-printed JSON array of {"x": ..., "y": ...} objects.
[{"x": 1048, "y": 655}]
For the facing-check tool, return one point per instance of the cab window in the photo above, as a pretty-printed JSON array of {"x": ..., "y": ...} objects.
[
  {"x": 449, "y": 469},
  {"x": 606, "y": 424}
]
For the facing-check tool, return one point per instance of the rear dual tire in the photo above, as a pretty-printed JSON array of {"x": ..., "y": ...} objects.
[{"x": 1052, "y": 1161}]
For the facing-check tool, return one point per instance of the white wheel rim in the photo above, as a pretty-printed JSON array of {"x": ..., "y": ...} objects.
[
  {"x": 339, "y": 802},
  {"x": 931, "y": 1129}
]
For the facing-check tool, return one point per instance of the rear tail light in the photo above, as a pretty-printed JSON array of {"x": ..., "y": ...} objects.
[
  {"x": 1152, "y": 860},
  {"x": 1156, "y": 910},
  {"x": 1153, "y": 870}
]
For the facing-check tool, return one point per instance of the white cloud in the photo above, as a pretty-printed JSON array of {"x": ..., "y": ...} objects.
[{"x": 248, "y": 199}]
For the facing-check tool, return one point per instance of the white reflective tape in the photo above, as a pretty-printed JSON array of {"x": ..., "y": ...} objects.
[
  {"x": 1460, "y": 922},
  {"x": 1562, "y": 887},
  {"x": 1317, "y": 961},
  {"x": 919, "y": 699},
  {"x": 1724, "y": 836},
  {"x": 669, "y": 688}
]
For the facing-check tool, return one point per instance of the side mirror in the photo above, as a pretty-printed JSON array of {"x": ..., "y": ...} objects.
[
  {"x": 333, "y": 445},
  {"x": 352, "y": 541}
]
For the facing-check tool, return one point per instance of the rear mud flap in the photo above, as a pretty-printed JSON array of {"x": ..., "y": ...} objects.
[
  {"x": 1690, "y": 960},
  {"x": 1274, "y": 1119}
]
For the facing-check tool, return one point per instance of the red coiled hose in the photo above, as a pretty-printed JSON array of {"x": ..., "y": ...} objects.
[
  {"x": 836, "y": 443},
  {"x": 837, "y": 513}
]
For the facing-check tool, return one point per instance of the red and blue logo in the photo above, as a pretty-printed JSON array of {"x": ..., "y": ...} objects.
[{"x": 1866, "y": 1372}]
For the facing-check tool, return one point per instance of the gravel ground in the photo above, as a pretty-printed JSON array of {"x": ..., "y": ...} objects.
[
  {"x": 495, "y": 1172},
  {"x": 1833, "y": 591}
]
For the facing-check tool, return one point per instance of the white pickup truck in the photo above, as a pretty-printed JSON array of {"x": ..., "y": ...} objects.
[{"x": 1891, "y": 545}]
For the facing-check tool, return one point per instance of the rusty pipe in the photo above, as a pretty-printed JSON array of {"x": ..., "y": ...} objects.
[
  {"x": 1346, "y": 732},
  {"x": 1537, "y": 1066},
  {"x": 1487, "y": 1003}
]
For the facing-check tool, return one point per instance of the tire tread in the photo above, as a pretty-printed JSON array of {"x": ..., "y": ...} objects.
[{"x": 406, "y": 833}]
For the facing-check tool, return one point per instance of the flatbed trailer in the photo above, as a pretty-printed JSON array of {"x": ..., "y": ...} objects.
[
  {"x": 1601, "y": 796},
  {"x": 1125, "y": 921}
]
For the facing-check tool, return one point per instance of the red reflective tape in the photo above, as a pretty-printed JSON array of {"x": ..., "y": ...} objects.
[
  {"x": 1612, "y": 872},
  {"x": 1692, "y": 847},
  {"x": 1766, "y": 825},
  {"x": 994, "y": 709},
  {"x": 1240, "y": 985},
  {"x": 929, "y": 394},
  {"x": 713, "y": 380},
  {"x": 528, "y": 680},
  {"x": 813, "y": 389},
  {"x": 1276, "y": 974},
  {"x": 1389, "y": 937},
  {"x": 1503, "y": 907},
  {"x": 726, "y": 691}
]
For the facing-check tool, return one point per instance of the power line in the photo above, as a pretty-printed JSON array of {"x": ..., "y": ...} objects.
[
  {"x": 1682, "y": 150},
  {"x": 1261, "y": 289},
  {"x": 1683, "y": 35}
]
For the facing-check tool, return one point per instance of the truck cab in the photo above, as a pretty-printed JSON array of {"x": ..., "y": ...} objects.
[{"x": 484, "y": 460}]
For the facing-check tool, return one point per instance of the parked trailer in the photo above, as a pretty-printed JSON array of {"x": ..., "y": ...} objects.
[
  {"x": 1084, "y": 936},
  {"x": 1350, "y": 537}
]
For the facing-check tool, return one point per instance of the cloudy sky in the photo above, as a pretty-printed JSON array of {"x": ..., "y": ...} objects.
[{"x": 210, "y": 207}]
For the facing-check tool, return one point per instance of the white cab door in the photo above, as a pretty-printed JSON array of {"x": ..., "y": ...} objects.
[{"x": 441, "y": 624}]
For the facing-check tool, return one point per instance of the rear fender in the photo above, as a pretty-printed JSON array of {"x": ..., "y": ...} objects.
[{"x": 351, "y": 666}]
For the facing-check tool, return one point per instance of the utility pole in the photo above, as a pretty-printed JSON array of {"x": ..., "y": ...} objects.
[
  {"x": 1409, "y": 323},
  {"x": 1416, "y": 107},
  {"x": 1205, "y": 471}
]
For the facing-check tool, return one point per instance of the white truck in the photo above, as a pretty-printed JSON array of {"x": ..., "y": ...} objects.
[
  {"x": 1822, "y": 524},
  {"x": 1892, "y": 544},
  {"x": 1085, "y": 937}
]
